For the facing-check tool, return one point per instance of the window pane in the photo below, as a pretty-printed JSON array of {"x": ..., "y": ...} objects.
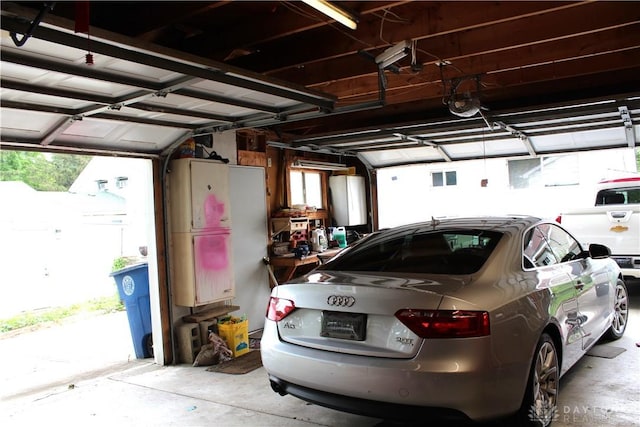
[
  {"x": 452, "y": 178},
  {"x": 313, "y": 189},
  {"x": 562, "y": 244},
  {"x": 419, "y": 251},
  {"x": 436, "y": 178},
  {"x": 297, "y": 189},
  {"x": 524, "y": 173},
  {"x": 618, "y": 196},
  {"x": 633, "y": 195},
  {"x": 306, "y": 188},
  {"x": 560, "y": 170},
  {"x": 536, "y": 250}
]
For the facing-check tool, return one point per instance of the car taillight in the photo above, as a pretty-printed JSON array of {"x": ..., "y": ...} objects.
[
  {"x": 279, "y": 308},
  {"x": 445, "y": 323},
  {"x": 559, "y": 219}
]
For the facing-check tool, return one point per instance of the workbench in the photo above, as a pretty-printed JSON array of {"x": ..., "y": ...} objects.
[{"x": 289, "y": 264}]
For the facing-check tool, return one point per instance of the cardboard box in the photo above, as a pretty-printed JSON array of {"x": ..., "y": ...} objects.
[{"x": 236, "y": 334}]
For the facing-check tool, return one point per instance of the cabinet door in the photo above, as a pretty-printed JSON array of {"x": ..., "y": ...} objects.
[
  {"x": 209, "y": 195},
  {"x": 213, "y": 265},
  {"x": 179, "y": 195}
]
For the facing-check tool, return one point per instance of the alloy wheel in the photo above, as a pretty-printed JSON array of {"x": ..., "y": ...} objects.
[
  {"x": 545, "y": 383},
  {"x": 621, "y": 310}
]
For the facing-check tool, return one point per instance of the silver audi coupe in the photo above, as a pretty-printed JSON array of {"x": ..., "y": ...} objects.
[{"x": 462, "y": 318}]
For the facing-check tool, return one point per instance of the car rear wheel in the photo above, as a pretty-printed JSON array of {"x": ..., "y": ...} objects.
[
  {"x": 540, "y": 400},
  {"x": 620, "y": 312}
]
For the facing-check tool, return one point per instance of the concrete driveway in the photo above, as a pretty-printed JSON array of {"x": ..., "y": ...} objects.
[{"x": 54, "y": 357}]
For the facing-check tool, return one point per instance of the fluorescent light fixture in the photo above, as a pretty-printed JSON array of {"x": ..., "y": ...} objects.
[
  {"x": 333, "y": 12},
  {"x": 314, "y": 164},
  {"x": 393, "y": 54}
]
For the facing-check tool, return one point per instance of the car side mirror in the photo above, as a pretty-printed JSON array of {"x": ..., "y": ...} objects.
[{"x": 599, "y": 251}]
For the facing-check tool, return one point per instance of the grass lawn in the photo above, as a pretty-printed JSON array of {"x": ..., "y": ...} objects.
[{"x": 34, "y": 318}]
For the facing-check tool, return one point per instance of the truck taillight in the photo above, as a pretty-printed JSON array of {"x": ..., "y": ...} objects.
[
  {"x": 279, "y": 308},
  {"x": 559, "y": 219},
  {"x": 445, "y": 323}
]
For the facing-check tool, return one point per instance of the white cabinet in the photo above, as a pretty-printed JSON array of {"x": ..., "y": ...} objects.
[
  {"x": 199, "y": 191},
  {"x": 202, "y": 268},
  {"x": 201, "y": 256},
  {"x": 349, "y": 203}
]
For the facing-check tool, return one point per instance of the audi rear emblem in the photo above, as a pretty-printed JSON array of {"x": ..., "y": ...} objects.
[{"x": 341, "y": 300}]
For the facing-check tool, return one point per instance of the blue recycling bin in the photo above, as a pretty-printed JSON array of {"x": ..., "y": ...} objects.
[{"x": 133, "y": 287}]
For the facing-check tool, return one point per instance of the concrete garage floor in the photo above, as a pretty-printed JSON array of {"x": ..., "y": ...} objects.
[{"x": 42, "y": 384}]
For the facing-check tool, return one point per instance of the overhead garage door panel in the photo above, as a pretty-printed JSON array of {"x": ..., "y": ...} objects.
[
  {"x": 576, "y": 141},
  {"x": 61, "y": 89},
  {"x": 401, "y": 156}
]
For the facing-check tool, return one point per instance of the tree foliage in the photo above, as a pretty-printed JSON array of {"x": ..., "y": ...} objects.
[{"x": 56, "y": 173}]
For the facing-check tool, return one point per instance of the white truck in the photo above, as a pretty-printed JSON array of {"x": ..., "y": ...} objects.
[{"x": 614, "y": 221}]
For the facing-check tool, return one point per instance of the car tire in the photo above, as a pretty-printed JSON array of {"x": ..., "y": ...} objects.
[
  {"x": 539, "y": 406},
  {"x": 620, "y": 312}
]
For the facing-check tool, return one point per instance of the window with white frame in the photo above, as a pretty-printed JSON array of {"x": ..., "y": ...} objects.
[
  {"x": 442, "y": 179},
  {"x": 546, "y": 171},
  {"x": 102, "y": 184},
  {"x": 122, "y": 181},
  {"x": 306, "y": 188}
]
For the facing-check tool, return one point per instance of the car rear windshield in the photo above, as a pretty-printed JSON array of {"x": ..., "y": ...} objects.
[
  {"x": 417, "y": 251},
  {"x": 618, "y": 196}
]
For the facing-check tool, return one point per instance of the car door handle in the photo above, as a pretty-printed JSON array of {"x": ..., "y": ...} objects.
[{"x": 579, "y": 285}]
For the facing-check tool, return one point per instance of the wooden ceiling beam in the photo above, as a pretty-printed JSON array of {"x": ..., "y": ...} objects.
[
  {"x": 403, "y": 92},
  {"x": 505, "y": 36},
  {"x": 508, "y": 82},
  {"x": 575, "y": 67},
  {"x": 273, "y": 21},
  {"x": 417, "y": 20},
  {"x": 325, "y": 75},
  {"x": 590, "y": 51},
  {"x": 522, "y": 97},
  {"x": 562, "y": 24},
  {"x": 146, "y": 21},
  {"x": 173, "y": 12}
]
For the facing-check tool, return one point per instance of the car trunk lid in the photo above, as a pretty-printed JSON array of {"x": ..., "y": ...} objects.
[{"x": 355, "y": 313}]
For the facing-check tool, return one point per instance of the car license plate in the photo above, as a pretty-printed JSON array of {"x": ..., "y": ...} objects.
[{"x": 346, "y": 326}]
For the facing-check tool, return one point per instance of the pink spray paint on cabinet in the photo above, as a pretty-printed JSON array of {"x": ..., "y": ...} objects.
[
  {"x": 213, "y": 211},
  {"x": 212, "y": 252}
]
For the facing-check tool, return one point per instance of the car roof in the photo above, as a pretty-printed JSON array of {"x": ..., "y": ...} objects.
[
  {"x": 504, "y": 224},
  {"x": 633, "y": 179}
]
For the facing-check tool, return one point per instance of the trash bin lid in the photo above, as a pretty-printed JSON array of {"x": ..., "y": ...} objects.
[{"x": 128, "y": 269}]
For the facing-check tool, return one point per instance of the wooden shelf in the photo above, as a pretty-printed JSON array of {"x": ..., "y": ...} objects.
[
  {"x": 318, "y": 215},
  {"x": 210, "y": 314}
]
